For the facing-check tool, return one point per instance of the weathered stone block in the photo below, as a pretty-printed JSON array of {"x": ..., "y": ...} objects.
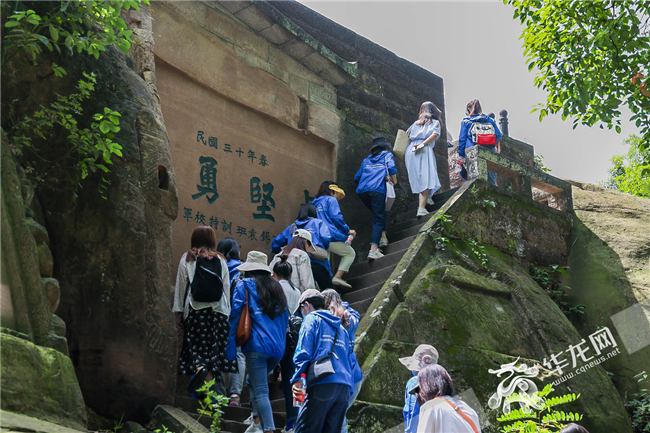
[
  {"x": 175, "y": 420},
  {"x": 14, "y": 422},
  {"x": 324, "y": 123},
  {"x": 45, "y": 260},
  {"x": 254, "y": 18},
  {"x": 40, "y": 382}
]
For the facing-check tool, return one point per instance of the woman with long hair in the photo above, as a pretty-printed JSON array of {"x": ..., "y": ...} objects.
[
  {"x": 350, "y": 321},
  {"x": 230, "y": 249},
  {"x": 371, "y": 180},
  {"x": 297, "y": 252},
  {"x": 329, "y": 211},
  {"x": 419, "y": 157},
  {"x": 468, "y": 136},
  {"x": 265, "y": 346},
  {"x": 320, "y": 237},
  {"x": 205, "y": 324},
  {"x": 441, "y": 410}
]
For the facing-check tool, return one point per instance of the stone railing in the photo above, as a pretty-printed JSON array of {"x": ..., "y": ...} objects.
[{"x": 521, "y": 178}]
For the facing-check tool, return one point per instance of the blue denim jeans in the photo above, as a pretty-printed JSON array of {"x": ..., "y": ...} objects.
[
  {"x": 353, "y": 397},
  {"x": 492, "y": 176},
  {"x": 376, "y": 202},
  {"x": 324, "y": 409},
  {"x": 259, "y": 365},
  {"x": 237, "y": 379}
]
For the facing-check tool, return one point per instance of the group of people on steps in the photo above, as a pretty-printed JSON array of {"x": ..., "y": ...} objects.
[{"x": 241, "y": 320}]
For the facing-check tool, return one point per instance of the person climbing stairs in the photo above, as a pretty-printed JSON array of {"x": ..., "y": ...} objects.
[{"x": 366, "y": 278}]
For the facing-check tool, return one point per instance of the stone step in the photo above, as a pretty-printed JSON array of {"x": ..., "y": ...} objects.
[
  {"x": 405, "y": 224},
  {"x": 233, "y": 419},
  {"x": 369, "y": 266},
  {"x": 372, "y": 278},
  {"x": 402, "y": 244},
  {"x": 406, "y": 233},
  {"x": 360, "y": 295},
  {"x": 362, "y": 306}
]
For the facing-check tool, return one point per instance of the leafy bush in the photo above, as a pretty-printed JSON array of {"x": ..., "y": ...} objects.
[
  {"x": 639, "y": 407},
  {"x": 90, "y": 149},
  {"x": 546, "y": 278},
  {"x": 544, "y": 420}
]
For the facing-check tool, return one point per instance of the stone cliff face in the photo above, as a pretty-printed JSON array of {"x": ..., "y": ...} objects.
[
  {"x": 112, "y": 257},
  {"x": 480, "y": 308},
  {"x": 610, "y": 268}
]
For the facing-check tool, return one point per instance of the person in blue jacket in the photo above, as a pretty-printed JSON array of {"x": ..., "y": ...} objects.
[
  {"x": 466, "y": 139},
  {"x": 230, "y": 249},
  {"x": 424, "y": 355},
  {"x": 327, "y": 400},
  {"x": 329, "y": 211},
  {"x": 320, "y": 237},
  {"x": 350, "y": 321},
  {"x": 265, "y": 346},
  {"x": 371, "y": 181}
]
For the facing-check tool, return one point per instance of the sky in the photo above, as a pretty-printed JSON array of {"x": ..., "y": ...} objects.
[{"x": 475, "y": 48}]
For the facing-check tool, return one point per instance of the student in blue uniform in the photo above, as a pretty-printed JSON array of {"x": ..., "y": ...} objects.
[
  {"x": 329, "y": 211},
  {"x": 371, "y": 181},
  {"x": 327, "y": 400},
  {"x": 320, "y": 237},
  {"x": 265, "y": 346}
]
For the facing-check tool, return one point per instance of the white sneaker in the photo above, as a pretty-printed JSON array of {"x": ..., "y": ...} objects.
[
  {"x": 430, "y": 201},
  {"x": 372, "y": 255},
  {"x": 249, "y": 420},
  {"x": 340, "y": 282},
  {"x": 254, "y": 428},
  {"x": 422, "y": 212}
]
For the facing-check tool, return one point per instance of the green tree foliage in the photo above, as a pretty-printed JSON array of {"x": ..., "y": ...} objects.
[
  {"x": 546, "y": 419},
  {"x": 630, "y": 173},
  {"x": 586, "y": 54},
  {"x": 88, "y": 26},
  {"x": 70, "y": 28}
]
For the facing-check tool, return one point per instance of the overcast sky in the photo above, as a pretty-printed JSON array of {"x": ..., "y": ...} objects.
[{"x": 475, "y": 48}]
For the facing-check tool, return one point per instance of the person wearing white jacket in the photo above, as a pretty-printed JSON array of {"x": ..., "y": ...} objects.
[{"x": 301, "y": 277}]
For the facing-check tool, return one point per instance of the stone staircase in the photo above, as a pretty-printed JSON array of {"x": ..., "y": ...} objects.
[{"x": 367, "y": 278}]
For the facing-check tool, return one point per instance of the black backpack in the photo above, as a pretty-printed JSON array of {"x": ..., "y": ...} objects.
[{"x": 207, "y": 285}]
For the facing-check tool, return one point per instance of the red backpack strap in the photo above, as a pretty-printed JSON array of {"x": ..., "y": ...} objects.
[{"x": 463, "y": 414}]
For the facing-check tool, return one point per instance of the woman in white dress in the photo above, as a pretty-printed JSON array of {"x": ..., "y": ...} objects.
[
  {"x": 441, "y": 410},
  {"x": 419, "y": 158}
]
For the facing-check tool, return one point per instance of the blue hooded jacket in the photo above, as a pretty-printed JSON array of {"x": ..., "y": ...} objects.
[
  {"x": 357, "y": 373},
  {"x": 320, "y": 237},
  {"x": 411, "y": 409},
  {"x": 233, "y": 264},
  {"x": 372, "y": 173},
  {"x": 464, "y": 139},
  {"x": 268, "y": 335},
  {"x": 329, "y": 211},
  {"x": 315, "y": 341}
]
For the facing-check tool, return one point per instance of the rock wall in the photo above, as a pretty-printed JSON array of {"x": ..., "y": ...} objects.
[
  {"x": 610, "y": 268},
  {"x": 112, "y": 257},
  {"x": 479, "y": 307},
  {"x": 37, "y": 376}
]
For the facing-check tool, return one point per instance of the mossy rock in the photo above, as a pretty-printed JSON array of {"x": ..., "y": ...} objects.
[{"x": 40, "y": 382}]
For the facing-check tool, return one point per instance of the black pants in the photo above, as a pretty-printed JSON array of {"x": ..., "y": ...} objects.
[
  {"x": 287, "y": 368},
  {"x": 324, "y": 409},
  {"x": 321, "y": 276},
  {"x": 376, "y": 202}
]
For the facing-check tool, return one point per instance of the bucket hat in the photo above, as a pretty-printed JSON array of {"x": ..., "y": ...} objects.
[
  {"x": 381, "y": 142},
  {"x": 255, "y": 261},
  {"x": 424, "y": 355}
]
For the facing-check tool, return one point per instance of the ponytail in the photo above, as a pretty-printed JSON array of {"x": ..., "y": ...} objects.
[{"x": 283, "y": 269}]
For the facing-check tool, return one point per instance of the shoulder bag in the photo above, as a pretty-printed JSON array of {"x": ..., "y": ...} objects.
[
  {"x": 245, "y": 325},
  {"x": 462, "y": 414},
  {"x": 402, "y": 142},
  {"x": 390, "y": 188},
  {"x": 322, "y": 367}
]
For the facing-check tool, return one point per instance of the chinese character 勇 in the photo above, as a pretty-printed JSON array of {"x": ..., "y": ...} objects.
[{"x": 208, "y": 179}]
